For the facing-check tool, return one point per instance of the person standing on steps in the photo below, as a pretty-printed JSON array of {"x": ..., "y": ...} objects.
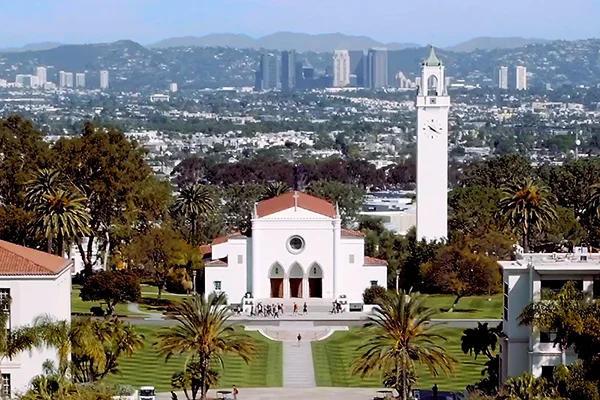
[
  {"x": 295, "y": 309},
  {"x": 305, "y": 309},
  {"x": 299, "y": 339},
  {"x": 235, "y": 392}
]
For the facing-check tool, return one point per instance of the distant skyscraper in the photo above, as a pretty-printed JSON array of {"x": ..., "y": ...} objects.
[
  {"x": 42, "y": 75},
  {"x": 299, "y": 74},
  {"x": 62, "y": 79},
  {"x": 103, "y": 80},
  {"x": 358, "y": 66},
  {"x": 68, "y": 79},
  {"x": 377, "y": 68},
  {"x": 173, "y": 87},
  {"x": 34, "y": 81},
  {"x": 80, "y": 80},
  {"x": 288, "y": 70},
  {"x": 503, "y": 78},
  {"x": 20, "y": 79},
  {"x": 341, "y": 68},
  {"x": 269, "y": 72},
  {"x": 521, "y": 77}
]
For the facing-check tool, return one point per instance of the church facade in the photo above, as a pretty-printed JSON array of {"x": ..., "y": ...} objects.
[{"x": 297, "y": 250}]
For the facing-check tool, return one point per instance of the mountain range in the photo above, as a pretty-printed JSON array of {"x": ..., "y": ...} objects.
[{"x": 303, "y": 42}]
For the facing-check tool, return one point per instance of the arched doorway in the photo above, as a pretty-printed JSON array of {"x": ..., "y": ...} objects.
[
  {"x": 276, "y": 275},
  {"x": 296, "y": 276},
  {"x": 315, "y": 281}
]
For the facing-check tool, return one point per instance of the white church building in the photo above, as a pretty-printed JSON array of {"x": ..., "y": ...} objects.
[{"x": 297, "y": 250}]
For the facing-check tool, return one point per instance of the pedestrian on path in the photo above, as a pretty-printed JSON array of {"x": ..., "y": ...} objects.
[
  {"x": 299, "y": 339},
  {"x": 305, "y": 309},
  {"x": 235, "y": 392},
  {"x": 295, "y": 309}
]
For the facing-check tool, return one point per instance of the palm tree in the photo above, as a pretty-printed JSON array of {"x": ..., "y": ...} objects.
[
  {"x": 44, "y": 182},
  {"x": 563, "y": 313},
  {"x": 274, "y": 189},
  {"x": 592, "y": 202},
  {"x": 192, "y": 202},
  {"x": 14, "y": 341},
  {"x": 204, "y": 332},
  {"x": 398, "y": 336},
  {"x": 62, "y": 215},
  {"x": 60, "y": 335},
  {"x": 480, "y": 340},
  {"x": 526, "y": 206}
]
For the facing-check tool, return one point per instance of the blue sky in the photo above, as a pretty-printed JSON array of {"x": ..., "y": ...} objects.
[{"x": 439, "y": 22}]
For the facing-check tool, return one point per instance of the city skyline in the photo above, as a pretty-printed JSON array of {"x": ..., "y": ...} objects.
[{"x": 149, "y": 21}]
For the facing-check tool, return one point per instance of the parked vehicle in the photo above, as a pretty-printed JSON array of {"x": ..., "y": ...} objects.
[{"x": 147, "y": 393}]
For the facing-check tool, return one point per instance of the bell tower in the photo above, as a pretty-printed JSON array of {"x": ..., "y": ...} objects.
[{"x": 433, "y": 104}]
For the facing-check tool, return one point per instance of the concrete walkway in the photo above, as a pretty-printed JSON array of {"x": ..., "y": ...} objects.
[
  {"x": 320, "y": 393},
  {"x": 134, "y": 308}
]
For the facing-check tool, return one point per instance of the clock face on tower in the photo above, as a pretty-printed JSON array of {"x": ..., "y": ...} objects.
[{"x": 432, "y": 128}]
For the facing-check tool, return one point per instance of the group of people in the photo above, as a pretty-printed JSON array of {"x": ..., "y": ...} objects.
[
  {"x": 337, "y": 307},
  {"x": 275, "y": 310}
]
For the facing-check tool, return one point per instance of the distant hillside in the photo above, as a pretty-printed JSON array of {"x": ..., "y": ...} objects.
[
  {"x": 301, "y": 42},
  {"x": 492, "y": 43},
  {"x": 31, "y": 47}
]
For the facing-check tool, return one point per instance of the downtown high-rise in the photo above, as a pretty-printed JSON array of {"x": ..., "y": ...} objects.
[
  {"x": 103, "y": 80},
  {"x": 521, "y": 78},
  {"x": 41, "y": 74},
  {"x": 288, "y": 71},
  {"x": 503, "y": 78},
  {"x": 267, "y": 77},
  {"x": 377, "y": 68},
  {"x": 341, "y": 68}
]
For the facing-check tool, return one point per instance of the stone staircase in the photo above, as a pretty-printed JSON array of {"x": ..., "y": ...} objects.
[{"x": 298, "y": 369}]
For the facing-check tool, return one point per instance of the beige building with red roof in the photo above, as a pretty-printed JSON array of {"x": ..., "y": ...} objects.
[
  {"x": 38, "y": 284},
  {"x": 297, "y": 250}
]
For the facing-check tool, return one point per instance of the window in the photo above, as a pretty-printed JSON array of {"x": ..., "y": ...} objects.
[
  {"x": 5, "y": 386},
  {"x": 351, "y": 258},
  {"x": 548, "y": 372},
  {"x": 295, "y": 244},
  {"x": 373, "y": 283},
  {"x": 217, "y": 285},
  {"x": 547, "y": 336},
  {"x": 505, "y": 299},
  {"x": 240, "y": 258}
]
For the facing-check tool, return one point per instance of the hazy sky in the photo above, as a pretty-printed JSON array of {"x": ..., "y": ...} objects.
[{"x": 439, "y": 22}]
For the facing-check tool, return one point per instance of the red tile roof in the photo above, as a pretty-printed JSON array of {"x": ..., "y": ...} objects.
[
  {"x": 19, "y": 260},
  {"x": 222, "y": 261},
  {"x": 295, "y": 199},
  {"x": 351, "y": 233},
  {"x": 374, "y": 261},
  {"x": 206, "y": 249}
]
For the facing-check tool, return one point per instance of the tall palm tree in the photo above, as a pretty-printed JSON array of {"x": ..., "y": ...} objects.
[
  {"x": 400, "y": 335},
  {"x": 526, "y": 206},
  {"x": 44, "y": 182},
  {"x": 191, "y": 203},
  {"x": 62, "y": 215},
  {"x": 14, "y": 341},
  {"x": 205, "y": 333},
  {"x": 274, "y": 189},
  {"x": 480, "y": 340},
  {"x": 563, "y": 313}
]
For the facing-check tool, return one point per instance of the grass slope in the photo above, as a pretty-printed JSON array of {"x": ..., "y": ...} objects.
[
  {"x": 333, "y": 359},
  {"x": 147, "y": 368},
  {"x": 474, "y": 307}
]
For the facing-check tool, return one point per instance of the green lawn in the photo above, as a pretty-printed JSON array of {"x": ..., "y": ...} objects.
[
  {"x": 333, "y": 358},
  {"x": 79, "y": 306},
  {"x": 146, "y": 368},
  {"x": 474, "y": 307}
]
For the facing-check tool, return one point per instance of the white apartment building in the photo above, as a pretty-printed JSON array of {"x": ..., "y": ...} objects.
[
  {"x": 503, "y": 78},
  {"x": 80, "y": 80},
  {"x": 62, "y": 79},
  {"x": 69, "y": 79},
  {"x": 103, "y": 80},
  {"x": 341, "y": 68},
  {"x": 521, "y": 76},
  {"x": 41, "y": 73},
  {"x": 20, "y": 79},
  {"x": 38, "y": 284},
  {"x": 173, "y": 87},
  {"x": 525, "y": 349}
]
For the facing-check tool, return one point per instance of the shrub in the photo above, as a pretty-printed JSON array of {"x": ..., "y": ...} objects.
[
  {"x": 97, "y": 311},
  {"x": 372, "y": 294}
]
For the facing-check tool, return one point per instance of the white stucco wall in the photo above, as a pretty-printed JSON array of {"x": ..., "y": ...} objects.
[
  {"x": 270, "y": 237},
  {"x": 31, "y": 297},
  {"x": 233, "y": 276}
]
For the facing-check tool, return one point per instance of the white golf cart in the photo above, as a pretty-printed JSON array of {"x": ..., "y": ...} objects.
[{"x": 147, "y": 393}]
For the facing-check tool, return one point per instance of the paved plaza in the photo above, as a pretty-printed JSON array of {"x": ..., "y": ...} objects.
[{"x": 315, "y": 393}]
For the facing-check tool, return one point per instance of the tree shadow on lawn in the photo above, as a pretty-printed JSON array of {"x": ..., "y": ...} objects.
[
  {"x": 155, "y": 305},
  {"x": 460, "y": 310}
]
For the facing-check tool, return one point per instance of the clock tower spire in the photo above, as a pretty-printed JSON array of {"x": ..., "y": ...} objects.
[{"x": 433, "y": 104}]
